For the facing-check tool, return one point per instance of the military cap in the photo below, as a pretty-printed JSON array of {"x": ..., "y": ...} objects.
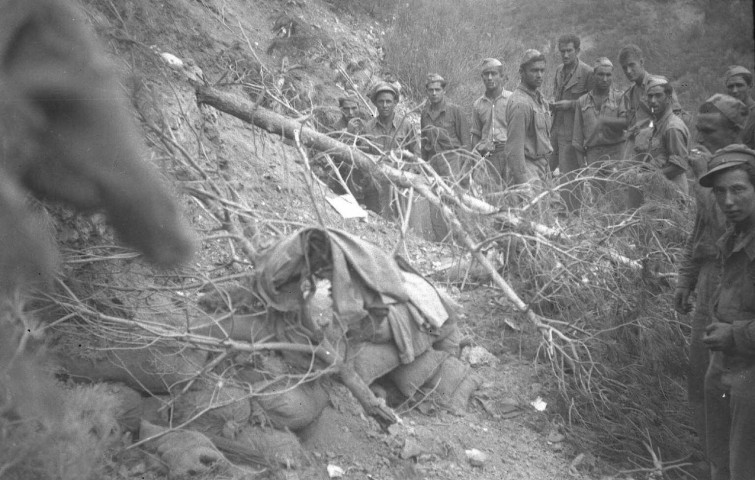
[
  {"x": 728, "y": 157},
  {"x": 655, "y": 81},
  {"x": 349, "y": 97},
  {"x": 384, "y": 87},
  {"x": 735, "y": 70},
  {"x": 491, "y": 64},
  {"x": 433, "y": 78},
  {"x": 728, "y": 106},
  {"x": 602, "y": 62},
  {"x": 530, "y": 56}
]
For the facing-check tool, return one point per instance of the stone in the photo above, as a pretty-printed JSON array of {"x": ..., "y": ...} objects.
[{"x": 476, "y": 458}]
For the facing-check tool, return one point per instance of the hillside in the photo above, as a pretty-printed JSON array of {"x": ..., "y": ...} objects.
[{"x": 604, "y": 360}]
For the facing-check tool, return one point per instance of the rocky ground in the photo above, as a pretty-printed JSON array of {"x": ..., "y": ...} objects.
[{"x": 311, "y": 50}]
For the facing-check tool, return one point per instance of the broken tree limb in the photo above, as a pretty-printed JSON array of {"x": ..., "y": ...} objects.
[{"x": 272, "y": 122}]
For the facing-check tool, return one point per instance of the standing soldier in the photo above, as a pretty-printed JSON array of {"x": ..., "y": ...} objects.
[
  {"x": 444, "y": 129},
  {"x": 638, "y": 111},
  {"x": 719, "y": 123},
  {"x": 445, "y": 133},
  {"x": 669, "y": 142},
  {"x": 528, "y": 146},
  {"x": 739, "y": 86},
  {"x": 730, "y": 380},
  {"x": 488, "y": 118},
  {"x": 599, "y": 120},
  {"x": 384, "y": 133},
  {"x": 573, "y": 79}
]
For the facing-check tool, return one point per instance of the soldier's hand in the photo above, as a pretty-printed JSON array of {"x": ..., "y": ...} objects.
[
  {"x": 719, "y": 336},
  {"x": 355, "y": 126},
  {"x": 681, "y": 300}
]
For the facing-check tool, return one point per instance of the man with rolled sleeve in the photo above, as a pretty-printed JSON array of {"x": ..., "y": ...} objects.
[
  {"x": 739, "y": 85},
  {"x": 669, "y": 141},
  {"x": 488, "y": 133},
  {"x": 599, "y": 119},
  {"x": 528, "y": 120},
  {"x": 730, "y": 380},
  {"x": 573, "y": 79}
]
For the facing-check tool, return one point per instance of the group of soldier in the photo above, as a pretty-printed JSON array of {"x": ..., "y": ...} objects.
[{"x": 523, "y": 138}]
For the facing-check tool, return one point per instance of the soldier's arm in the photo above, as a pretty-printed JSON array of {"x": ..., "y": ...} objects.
[
  {"x": 462, "y": 130},
  {"x": 578, "y": 136},
  {"x": 676, "y": 146},
  {"x": 476, "y": 130}
]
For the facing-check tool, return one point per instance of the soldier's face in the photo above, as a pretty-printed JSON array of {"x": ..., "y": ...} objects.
[
  {"x": 492, "y": 79},
  {"x": 385, "y": 103},
  {"x": 349, "y": 110},
  {"x": 735, "y": 195},
  {"x": 738, "y": 88},
  {"x": 533, "y": 74},
  {"x": 657, "y": 100},
  {"x": 603, "y": 78},
  {"x": 633, "y": 68},
  {"x": 714, "y": 131},
  {"x": 568, "y": 53},
  {"x": 435, "y": 93}
]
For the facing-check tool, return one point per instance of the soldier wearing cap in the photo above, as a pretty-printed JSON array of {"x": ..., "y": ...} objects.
[
  {"x": 349, "y": 106},
  {"x": 719, "y": 123},
  {"x": 639, "y": 117},
  {"x": 599, "y": 119},
  {"x": 488, "y": 116},
  {"x": 574, "y": 78},
  {"x": 739, "y": 85},
  {"x": 444, "y": 129},
  {"x": 669, "y": 142},
  {"x": 384, "y": 133},
  {"x": 528, "y": 121},
  {"x": 730, "y": 379}
]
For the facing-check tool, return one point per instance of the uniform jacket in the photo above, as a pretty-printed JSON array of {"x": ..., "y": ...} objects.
[
  {"x": 443, "y": 129},
  {"x": 669, "y": 144},
  {"x": 580, "y": 82},
  {"x": 528, "y": 122},
  {"x": 397, "y": 135},
  {"x": 586, "y": 116},
  {"x": 735, "y": 300}
]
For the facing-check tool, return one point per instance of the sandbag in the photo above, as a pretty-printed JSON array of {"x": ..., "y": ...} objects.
[
  {"x": 224, "y": 420},
  {"x": 372, "y": 361},
  {"x": 292, "y": 408},
  {"x": 151, "y": 370},
  {"x": 453, "y": 384},
  {"x": 277, "y": 447},
  {"x": 412, "y": 376},
  {"x": 185, "y": 452}
]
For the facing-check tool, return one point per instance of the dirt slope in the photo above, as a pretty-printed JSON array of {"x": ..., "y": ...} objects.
[{"x": 229, "y": 41}]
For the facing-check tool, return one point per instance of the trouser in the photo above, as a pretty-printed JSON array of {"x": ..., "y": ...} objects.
[
  {"x": 599, "y": 159},
  {"x": 707, "y": 282},
  {"x": 565, "y": 157},
  {"x": 449, "y": 166},
  {"x": 730, "y": 417}
]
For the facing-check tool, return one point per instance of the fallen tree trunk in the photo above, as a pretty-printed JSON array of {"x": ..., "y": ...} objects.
[{"x": 273, "y": 122}]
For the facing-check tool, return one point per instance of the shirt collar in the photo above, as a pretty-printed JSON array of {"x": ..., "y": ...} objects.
[
  {"x": 729, "y": 243},
  {"x": 535, "y": 94},
  {"x": 393, "y": 123},
  {"x": 441, "y": 108}
]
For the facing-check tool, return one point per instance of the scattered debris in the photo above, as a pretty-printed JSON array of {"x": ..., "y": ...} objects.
[
  {"x": 539, "y": 404},
  {"x": 334, "y": 471},
  {"x": 478, "y": 356},
  {"x": 476, "y": 458}
]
